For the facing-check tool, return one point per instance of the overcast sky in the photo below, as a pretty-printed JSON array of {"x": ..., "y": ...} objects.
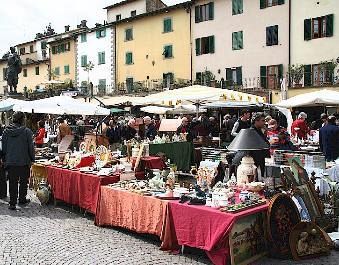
[{"x": 20, "y": 20}]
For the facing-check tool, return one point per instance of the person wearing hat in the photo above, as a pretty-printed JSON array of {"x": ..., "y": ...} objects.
[
  {"x": 299, "y": 127},
  {"x": 329, "y": 139},
  {"x": 18, "y": 155},
  {"x": 278, "y": 137}
]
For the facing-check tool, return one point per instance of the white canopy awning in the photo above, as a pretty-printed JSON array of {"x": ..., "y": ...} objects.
[
  {"x": 322, "y": 97},
  {"x": 180, "y": 109},
  {"x": 197, "y": 94},
  {"x": 61, "y": 105}
]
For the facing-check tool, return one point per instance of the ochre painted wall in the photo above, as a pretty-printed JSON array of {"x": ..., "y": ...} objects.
[{"x": 148, "y": 44}]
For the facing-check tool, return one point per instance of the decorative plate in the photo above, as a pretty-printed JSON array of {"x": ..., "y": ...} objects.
[
  {"x": 83, "y": 146},
  {"x": 283, "y": 215}
]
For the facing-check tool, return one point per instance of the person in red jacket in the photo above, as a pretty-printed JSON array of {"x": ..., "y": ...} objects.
[
  {"x": 39, "y": 138},
  {"x": 299, "y": 127}
]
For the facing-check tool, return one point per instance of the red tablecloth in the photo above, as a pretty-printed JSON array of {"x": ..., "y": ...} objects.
[
  {"x": 77, "y": 188},
  {"x": 151, "y": 162},
  {"x": 201, "y": 227},
  {"x": 129, "y": 210}
]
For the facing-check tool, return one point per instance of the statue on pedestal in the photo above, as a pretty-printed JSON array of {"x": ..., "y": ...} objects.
[{"x": 14, "y": 69}]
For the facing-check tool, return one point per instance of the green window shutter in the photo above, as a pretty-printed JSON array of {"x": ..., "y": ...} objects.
[
  {"x": 197, "y": 47},
  {"x": 307, "y": 29},
  {"x": 54, "y": 50},
  {"x": 280, "y": 72},
  {"x": 197, "y": 14},
  {"x": 228, "y": 77},
  {"x": 103, "y": 57},
  {"x": 268, "y": 36},
  {"x": 211, "y": 11},
  {"x": 198, "y": 77},
  {"x": 281, "y": 2},
  {"x": 307, "y": 75},
  {"x": 329, "y": 25},
  {"x": 240, "y": 7},
  {"x": 211, "y": 44},
  {"x": 170, "y": 51},
  {"x": 103, "y": 33},
  {"x": 167, "y": 25},
  {"x": 37, "y": 70},
  {"x": 240, "y": 40},
  {"x": 239, "y": 76},
  {"x": 57, "y": 70},
  {"x": 66, "y": 69},
  {"x": 234, "y": 40},
  {"x": 43, "y": 45},
  {"x": 98, "y": 34},
  {"x": 263, "y": 76},
  {"x": 275, "y": 35},
  {"x": 234, "y": 7},
  {"x": 262, "y": 4},
  {"x": 83, "y": 60},
  {"x": 129, "y": 58}
]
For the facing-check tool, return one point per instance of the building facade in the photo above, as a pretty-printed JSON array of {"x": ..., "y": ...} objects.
[
  {"x": 243, "y": 43},
  {"x": 130, "y": 8},
  {"x": 96, "y": 46},
  {"x": 153, "y": 50}
]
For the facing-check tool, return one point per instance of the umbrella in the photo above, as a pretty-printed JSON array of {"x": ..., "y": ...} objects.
[{"x": 322, "y": 97}]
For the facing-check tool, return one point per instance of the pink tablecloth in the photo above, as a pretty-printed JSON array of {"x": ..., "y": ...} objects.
[
  {"x": 77, "y": 188},
  {"x": 201, "y": 227}
]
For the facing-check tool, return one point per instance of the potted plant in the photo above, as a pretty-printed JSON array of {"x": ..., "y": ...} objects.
[
  {"x": 209, "y": 78},
  {"x": 328, "y": 67},
  {"x": 296, "y": 72}
]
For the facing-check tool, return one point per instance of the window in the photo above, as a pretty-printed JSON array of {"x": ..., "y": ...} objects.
[
  {"x": 321, "y": 74},
  {"x": 61, "y": 48},
  {"x": 133, "y": 13},
  {"x": 237, "y": 7},
  {"x": 129, "y": 84},
  {"x": 66, "y": 69},
  {"x": 128, "y": 34},
  {"x": 31, "y": 49},
  {"x": 101, "y": 33},
  {"x": 204, "y": 45},
  {"x": 319, "y": 27},
  {"x": 234, "y": 76},
  {"x": 118, "y": 17},
  {"x": 167, "y": 25},
  {"x": 237, "y": 40},
  {"x": 101, "y": 57},
  {"x": 272, "y": 35},
  {"x": 269, "y": 3},
  {"x": 270, "y": 76},
  {"x": 22, "y": 51},
  {"x": 83, "y": 60},
  {"x": 129, "y": 58},
  {"x": 168, "y": 79},
  {"x": 43, "y": 45},
  {"x": 57, "y": 70},
  {"x": 4, "y": 73},
  {"x": 168, "y": 51},
  {"x": 102, "y": 85},
  {"x": 37, "y": 70},
  {"x": 24, "y": 72},
  {"x": 204, "y": 12},
  {"x": 83, "y": 37}
]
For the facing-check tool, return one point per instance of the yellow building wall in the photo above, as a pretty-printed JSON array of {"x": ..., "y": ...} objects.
[
  {"x": 148, "y": 44},
  {"x": 32, "y": 80},
  {"x": 62, "y": 59},
  {"x": 276, "y": 95}
]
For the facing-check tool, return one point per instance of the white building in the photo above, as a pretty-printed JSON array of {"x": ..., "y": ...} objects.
[
  {"x": 242, "y": 42},
  {"x": 96, "y": 45},
  {"x": 315, "y": 39},
  {"x": 130, "y": 8}
]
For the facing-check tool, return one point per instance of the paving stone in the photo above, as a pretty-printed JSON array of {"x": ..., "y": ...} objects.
[{"x": 49, "y": 235}]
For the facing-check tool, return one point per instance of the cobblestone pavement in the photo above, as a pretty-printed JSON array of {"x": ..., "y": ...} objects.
[{"x": 56, "y": 235}]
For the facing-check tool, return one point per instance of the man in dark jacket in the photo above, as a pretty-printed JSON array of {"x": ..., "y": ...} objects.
[
  {"x": 113, "y": 134},
  {"x": 18, "y": 154},
  {"x": 329, "y": 139},
  {"x": 150, "y": 129}
]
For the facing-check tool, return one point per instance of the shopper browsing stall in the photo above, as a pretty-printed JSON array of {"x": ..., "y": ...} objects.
[
  {"x": 39, "y": 138},
  {"x": 242, "y": 123},
  {"x": 299, "y": 127},
  {"x": 329, "y": 139},
  {"x": 278, "y": 137}
]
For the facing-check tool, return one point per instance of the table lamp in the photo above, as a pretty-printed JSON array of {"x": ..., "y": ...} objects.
[{"x": 247, "y": 140}]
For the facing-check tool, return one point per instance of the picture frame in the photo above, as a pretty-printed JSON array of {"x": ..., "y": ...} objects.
[{"x": 246, "y": 239}]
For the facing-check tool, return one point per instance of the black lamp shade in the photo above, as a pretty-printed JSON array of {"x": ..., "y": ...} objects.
[{"x": 247, "y": 140}]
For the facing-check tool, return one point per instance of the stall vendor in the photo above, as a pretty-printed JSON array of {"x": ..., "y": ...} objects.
[
  {"x": 63, "y": 129},
  {"x": 278, "y": 137}
]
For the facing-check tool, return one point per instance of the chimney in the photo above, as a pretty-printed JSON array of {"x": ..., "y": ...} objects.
[
  {"x": 66, "y": 28},
  {"x": 83, "y": 23}
]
